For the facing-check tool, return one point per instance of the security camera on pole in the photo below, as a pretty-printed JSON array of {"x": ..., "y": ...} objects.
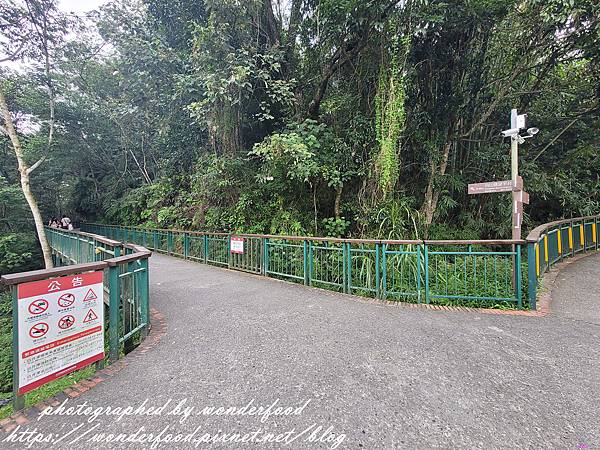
[{"x": 518, "y": 122}]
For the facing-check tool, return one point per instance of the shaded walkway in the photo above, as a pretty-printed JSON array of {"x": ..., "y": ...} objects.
[
  {"x": 577, "y": 292},
  {"x": 387, "y": 377}
]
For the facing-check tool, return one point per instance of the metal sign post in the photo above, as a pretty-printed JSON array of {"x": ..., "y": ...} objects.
[
  {"x": 518, "y": 122},
  {"x": 515, "y": 184}
]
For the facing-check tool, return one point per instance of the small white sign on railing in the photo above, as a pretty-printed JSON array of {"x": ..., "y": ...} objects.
[{"x": 236, "y": 244}]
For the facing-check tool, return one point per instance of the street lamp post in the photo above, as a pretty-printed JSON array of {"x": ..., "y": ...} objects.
[{"x": 518, "y": 122}]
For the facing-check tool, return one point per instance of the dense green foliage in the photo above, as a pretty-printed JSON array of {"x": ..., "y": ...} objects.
[
  {"x": 19, "y": 251},
  {"x": 312, "y": 117}
]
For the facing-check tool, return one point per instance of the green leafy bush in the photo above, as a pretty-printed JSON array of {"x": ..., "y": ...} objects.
[
  {"x": 5, "y": 342},
  {"x": 335, "y": 227},
  {"x": 19, "y": 252}
]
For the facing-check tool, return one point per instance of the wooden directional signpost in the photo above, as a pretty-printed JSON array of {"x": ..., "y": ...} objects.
[
  {"x": 515, "y": 184},
  {"x": 518, "y": 194},
  {"x": 495, "y": 186}
]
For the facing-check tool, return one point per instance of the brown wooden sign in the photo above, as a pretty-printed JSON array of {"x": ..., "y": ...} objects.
[
  {"x": 522, "y": 197},
  {"x": 517, "y": 218},
  {"x": 517, "y": 207},
  {"x": 490, "y": 187}
]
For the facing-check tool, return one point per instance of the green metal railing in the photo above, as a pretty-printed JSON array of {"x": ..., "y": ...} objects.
[
  {"x": 552, "y": 242},
  {"x": 125, "y": 280},
  {"x": 442, "y": 272},
  {"x": 126, "y": 286},
  {"x": 476, "y": 272}
]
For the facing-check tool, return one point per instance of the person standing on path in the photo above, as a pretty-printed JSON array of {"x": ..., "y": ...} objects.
[{"x": 65, "y": 223}]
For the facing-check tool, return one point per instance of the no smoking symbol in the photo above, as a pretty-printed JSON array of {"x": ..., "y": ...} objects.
[
  {"x": 38, "y": 306},
  {"x": 39, "y": 330},
  {"x": 66, "y": 300},
  {"x": 66, "y": 322}
]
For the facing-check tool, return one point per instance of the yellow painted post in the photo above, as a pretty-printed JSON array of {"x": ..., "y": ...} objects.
[
  {"x": 581, "y": 236},
  {"x": 546, "y": 248},
  {"x": 559, "y": 242},
  {"x": 537, "y": 258},
  {"x": 570, "y": 238},
  {"x": 594, "y": 232}
]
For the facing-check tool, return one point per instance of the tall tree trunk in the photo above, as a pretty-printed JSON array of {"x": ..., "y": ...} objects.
[
  {"x": 431, "y": 194},
  {"x": 337, "y": 207},
  {"x": 271, "y": 26},
  {"x": 25, "y": 172},
  {"x": 292, "y": 34}
]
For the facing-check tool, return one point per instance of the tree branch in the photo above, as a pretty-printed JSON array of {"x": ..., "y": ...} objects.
[
  {"x": 43, "y": 35},
  {"x": 14, "y": 54},
  {"x": 37, "y": 164},
  {"x": 569, "y": 125},
  {"x": 343, "y": 55}
]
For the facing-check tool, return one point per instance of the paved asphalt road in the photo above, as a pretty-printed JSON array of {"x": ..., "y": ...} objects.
[{"x": 383, "y": 376}]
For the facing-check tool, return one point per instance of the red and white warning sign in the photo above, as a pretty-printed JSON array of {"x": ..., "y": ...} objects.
[
  {"x": 236, "y": 244},
  {"x": 38, "y": 306},
  {"x": 91, "y": 295},
  {"x": 38, "y": 330},
  {"x": 90, "y": 316},
  {"x": 66, "y": 300},
  {"x": 66, "y": 322},
  {"x": 55, "y": 341}
]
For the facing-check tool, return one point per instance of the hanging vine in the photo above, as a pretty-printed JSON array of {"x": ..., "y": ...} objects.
[{"x": 390, "y": 114}]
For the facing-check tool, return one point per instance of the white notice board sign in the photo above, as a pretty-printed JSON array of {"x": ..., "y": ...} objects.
[{"x": 61, "y": 327}]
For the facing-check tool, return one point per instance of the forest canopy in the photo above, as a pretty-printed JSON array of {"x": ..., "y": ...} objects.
[{"x": 314, "y": 117}]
